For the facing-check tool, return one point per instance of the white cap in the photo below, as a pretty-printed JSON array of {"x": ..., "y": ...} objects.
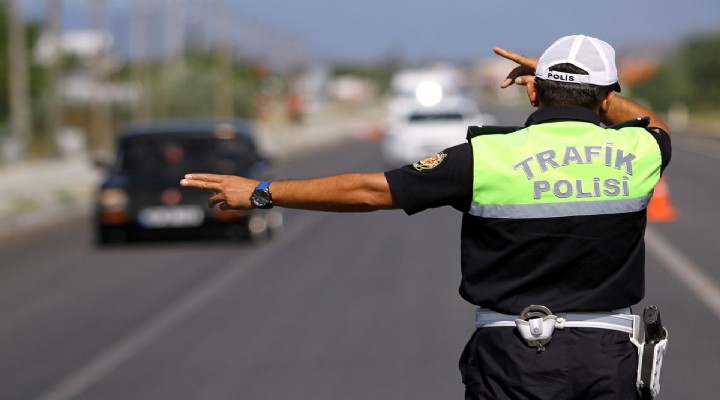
[{"x": 593, "y": 55}]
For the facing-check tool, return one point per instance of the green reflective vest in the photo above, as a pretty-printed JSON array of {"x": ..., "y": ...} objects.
[{"x": 562, "y": 169}]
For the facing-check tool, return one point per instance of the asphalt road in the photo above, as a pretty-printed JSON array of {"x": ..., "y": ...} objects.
[{"x": 342, "y": 306}]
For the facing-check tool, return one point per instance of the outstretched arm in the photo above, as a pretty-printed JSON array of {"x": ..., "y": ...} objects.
[{"x": 341, "y": 193}]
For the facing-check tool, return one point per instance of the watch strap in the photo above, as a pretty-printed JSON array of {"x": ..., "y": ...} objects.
[{"x": 263, "y": 185}]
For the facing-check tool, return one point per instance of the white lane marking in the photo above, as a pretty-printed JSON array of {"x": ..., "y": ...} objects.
[
  {"x": 121, "y": 351},
  {"x": 126, "y": 348},
  {"x": 705, "y": 147},
  {"x": 699, "y": 282}
]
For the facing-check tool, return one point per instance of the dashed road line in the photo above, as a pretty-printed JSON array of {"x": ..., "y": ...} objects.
[
  {"x": 687, "y": 272},
  {"x": 123, "y": 350}
]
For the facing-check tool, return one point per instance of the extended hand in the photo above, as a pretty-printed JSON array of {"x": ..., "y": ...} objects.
[
  {"x": 231, "y": 192},
  {"x": 521, "y": 75}
]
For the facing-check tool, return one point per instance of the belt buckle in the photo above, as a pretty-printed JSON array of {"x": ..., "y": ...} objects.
[
  {"x": 536, "y": 324},
  {"x": 535, "y": 311}
]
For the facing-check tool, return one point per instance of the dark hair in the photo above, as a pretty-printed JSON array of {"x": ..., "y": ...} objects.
[{"x": 553, "y": 93}]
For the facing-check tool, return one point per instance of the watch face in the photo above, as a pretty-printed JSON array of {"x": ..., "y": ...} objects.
[{"x": 261, "y": 198}]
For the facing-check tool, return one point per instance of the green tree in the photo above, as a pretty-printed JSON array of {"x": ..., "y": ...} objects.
[
  {"x": 689, "y": 74},
  {"x": 188, "y": 86}
]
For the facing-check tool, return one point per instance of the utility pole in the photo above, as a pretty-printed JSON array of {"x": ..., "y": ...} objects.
[
  {"x": 223, "y": 98},
  {"x": 174, "y": 44},
  {"x": 20, "y": 116},
  {"x": 100, "y": 137},
  {"x": 176, "y": 14},
  {"x": 198, "y": 20},
  {"x": 140, "y": 65},
  {"x": 54, "y": 110}
]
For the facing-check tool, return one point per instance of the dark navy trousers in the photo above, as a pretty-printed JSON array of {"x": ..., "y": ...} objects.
[{"x": 578, "y": 363}]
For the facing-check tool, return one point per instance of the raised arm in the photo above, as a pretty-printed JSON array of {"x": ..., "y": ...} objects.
[
  {"x": 620, "y": 109},
  {"x": 340, "y": 193},
  {"x": 616, "y": 109},
  {"x": 523, "y": 73}
]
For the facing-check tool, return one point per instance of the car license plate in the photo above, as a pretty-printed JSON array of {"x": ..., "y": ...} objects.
[{"x": 171, "y": 217}]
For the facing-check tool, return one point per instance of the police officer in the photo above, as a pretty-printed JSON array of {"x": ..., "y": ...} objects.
[{"x": 554, "y": 214}]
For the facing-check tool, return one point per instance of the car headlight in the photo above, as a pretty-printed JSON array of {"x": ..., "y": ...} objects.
[
  {"x": 113, "y": 199},
  {"x": 429, "y": 93}
]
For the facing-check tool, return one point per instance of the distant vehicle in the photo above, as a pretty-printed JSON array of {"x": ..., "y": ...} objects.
[
  {"x": 428, "y": 113},
  {"x": 141, "y": 195},
  {"x": 415, "y": 131}
]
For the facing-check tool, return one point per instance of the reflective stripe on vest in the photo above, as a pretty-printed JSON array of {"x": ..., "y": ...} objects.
[{"x": 563, "y": 169}]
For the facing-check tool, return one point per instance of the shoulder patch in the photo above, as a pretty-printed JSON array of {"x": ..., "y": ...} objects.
[{"x": 430, "y": 162}]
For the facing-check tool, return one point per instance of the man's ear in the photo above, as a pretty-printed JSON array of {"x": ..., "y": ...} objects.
[
  {"x": 532, "y": 92},
  {"x": 605, "y": 103}
]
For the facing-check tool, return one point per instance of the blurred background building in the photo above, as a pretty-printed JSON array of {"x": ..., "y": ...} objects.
[{"x": 74, "y": 70}]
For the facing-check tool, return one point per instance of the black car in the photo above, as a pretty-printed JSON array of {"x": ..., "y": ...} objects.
[{"x": 141, "y": 196}]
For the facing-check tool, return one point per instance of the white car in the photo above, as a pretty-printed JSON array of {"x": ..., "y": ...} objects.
[{"x": 418, "y": 129}]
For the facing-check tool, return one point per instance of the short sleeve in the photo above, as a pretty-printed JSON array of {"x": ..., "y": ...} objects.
[
  {"x": 665, "y": 144},
  {"x": 441, "y": 180}
]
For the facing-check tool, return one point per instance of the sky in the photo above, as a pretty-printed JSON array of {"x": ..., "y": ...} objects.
[
  {"x": 456, "y": 29},
  {"x": 452, "y": 30}
]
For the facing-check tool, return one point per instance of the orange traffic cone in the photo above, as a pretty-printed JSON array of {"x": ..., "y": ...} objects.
[{"x": 660, "y": 208}]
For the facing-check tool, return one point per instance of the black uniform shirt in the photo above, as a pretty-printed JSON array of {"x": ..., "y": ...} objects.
[{"x": 585, "y": 263}]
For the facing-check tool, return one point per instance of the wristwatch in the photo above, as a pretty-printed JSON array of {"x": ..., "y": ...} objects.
[{"x": 261, "y": 196}]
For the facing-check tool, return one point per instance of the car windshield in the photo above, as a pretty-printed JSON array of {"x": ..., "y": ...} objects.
[
  {"x": 173, "y": 155},
  {"x": 432, "y": 117}
]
